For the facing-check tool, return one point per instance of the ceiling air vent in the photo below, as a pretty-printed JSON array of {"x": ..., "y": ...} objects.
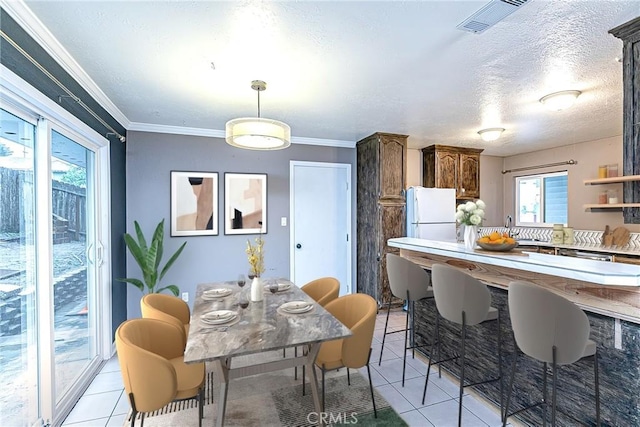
[{"x": 490, "y": 14}]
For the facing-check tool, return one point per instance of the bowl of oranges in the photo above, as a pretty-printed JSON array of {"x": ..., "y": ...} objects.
[{"x": 499, "y": 242}]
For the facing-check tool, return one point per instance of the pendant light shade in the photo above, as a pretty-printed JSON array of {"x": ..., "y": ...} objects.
[{"x": 256, "y": 133}]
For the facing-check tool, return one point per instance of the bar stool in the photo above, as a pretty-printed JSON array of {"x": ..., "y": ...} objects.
[
  {"x": 551, "y": 329},
  {"x": 464, "y": 300},
  {"x": 410, "y": 282}
]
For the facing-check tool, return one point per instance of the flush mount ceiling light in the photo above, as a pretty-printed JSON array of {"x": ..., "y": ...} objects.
[
  {"x": 490, "y": 134},
  {"x": 560, "y": 100},
  {"x": 256, "y": 133}
]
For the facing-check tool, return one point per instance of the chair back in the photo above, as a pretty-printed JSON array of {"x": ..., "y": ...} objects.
[
  {"x": 323, "y": 290},
  {"x": 167, "y": 308},
  {"x": 456, "y": 291},
  {"x": 541, "y": 320},
  {"x": 404, "y": 276},
  {"x": 358, "y": 313},
  {"x": 144, "y": 348}
]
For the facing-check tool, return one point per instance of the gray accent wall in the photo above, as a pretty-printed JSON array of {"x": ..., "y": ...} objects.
[{"x": 150, "y": 158}]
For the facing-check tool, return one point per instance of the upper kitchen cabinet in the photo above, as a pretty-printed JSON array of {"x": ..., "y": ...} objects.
[
  {"x": 452, "y": 167},
  {"x": 385, "y": 158}
]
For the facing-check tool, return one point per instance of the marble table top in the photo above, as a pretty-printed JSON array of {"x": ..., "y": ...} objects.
[{"x": 266, "y": 328}]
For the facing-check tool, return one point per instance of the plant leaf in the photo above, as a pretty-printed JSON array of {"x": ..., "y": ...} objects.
[
  {"x": 173, "y": 288},
  {"x": 136, "y": 251},
  {"x": 158, "y": 236},
  {"x": 141, "y": 240},
  {"x": 136, "y": 282},
  {"x": 151, "y": 272},
  {"x": 172, "y": 260}
]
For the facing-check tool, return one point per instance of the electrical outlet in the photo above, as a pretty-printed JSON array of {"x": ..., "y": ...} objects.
[
  {"x": 283, "y": 221},
  {"x": 185, "y": 296}
]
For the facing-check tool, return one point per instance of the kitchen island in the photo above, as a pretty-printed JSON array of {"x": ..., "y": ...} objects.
[{"x": 608, "y": 292}]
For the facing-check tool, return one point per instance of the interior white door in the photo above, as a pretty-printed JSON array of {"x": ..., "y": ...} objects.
[{"x": 320, "y": 222}]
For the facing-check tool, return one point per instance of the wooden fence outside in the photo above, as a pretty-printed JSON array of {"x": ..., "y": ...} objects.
[{"x": 16, "y": 204}]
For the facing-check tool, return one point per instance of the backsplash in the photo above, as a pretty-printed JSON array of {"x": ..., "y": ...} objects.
[{"x": 581, "y": 237}]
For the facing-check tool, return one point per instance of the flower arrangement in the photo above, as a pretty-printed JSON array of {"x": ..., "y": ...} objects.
[
  {"x": 470, "y": 213},
  {"x": 255, "y": 255}
]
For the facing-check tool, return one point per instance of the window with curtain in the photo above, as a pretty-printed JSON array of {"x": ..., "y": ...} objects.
[{"x": 541, "y": 200}]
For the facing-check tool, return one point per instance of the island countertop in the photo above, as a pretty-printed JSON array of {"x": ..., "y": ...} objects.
[
  {"x": 602, "y": 287},
  {"x": 599, "y": 272}
]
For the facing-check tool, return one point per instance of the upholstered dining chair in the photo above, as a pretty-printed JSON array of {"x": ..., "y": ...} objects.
[
  {"x": 323, "y": 290},
  {"x": 358, "y": 313},
  {"x": 409, "y": 282},
  {"x": 151, "y": 357},
  {"x": 167, "y": 308},
  {"x": 553, "y": 330}
]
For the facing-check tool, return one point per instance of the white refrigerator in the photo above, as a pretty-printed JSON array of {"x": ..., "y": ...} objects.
[{"x": 431, "y": 213}]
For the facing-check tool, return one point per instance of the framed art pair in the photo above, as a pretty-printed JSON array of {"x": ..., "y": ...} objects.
[{"x": 194, "y": 203}]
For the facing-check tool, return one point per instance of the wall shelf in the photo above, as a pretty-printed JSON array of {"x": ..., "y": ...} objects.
[
  {"x": 611, "y": 206},
  {"x": 613, "y": 180}
]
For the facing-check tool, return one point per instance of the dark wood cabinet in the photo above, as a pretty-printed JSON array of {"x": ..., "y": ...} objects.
[
  {"x": 629, "y": 33},
  {"x": 381, "y": 174},
  {"x": 452, "y": 167}
]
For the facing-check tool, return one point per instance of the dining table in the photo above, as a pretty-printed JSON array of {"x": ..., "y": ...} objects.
[{"x": 221, "y": 331}]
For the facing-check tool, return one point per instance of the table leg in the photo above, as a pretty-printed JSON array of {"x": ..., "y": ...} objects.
[
  {"x": 313, "y": 379},
  {"x": 222, "y": 368}
]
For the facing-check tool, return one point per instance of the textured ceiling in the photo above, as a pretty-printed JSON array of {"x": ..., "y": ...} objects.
[{"x": 343, "y": 70}]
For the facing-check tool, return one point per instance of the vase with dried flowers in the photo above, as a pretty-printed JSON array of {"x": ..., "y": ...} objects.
[{"x": 255, "y": 256}]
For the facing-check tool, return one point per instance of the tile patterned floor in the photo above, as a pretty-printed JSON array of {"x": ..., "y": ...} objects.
[{"x": 105, "y": 404}]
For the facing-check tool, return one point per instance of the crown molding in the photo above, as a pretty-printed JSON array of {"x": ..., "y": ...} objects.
[
  {"x": 21, "y": 13},
  {"x": 214, "y": 133}
]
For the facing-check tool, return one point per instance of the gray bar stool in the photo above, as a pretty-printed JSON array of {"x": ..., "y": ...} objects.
[
  {"x": 408, "y": 281},
  {"x": 551, "y": 329},
  {"x": 464, "y": 300}
]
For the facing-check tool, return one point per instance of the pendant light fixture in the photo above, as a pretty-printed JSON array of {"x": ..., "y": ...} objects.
[{"x": 256, "y": 133}]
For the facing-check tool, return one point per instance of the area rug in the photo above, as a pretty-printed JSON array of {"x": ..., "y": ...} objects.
[{"x": 275, "y": 399}]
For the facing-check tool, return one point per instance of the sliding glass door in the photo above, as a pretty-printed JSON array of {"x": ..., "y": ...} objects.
[
  {"x": 74, "y": 278},
  {"x": 18, "y": 326},
  {"x": 55, "y": 326}
]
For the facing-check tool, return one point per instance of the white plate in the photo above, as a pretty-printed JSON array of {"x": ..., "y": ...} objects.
[
  {"x": 216, "y": 293},
  {"x": 218, "y": 317},
  {"x": 296, "y": 307},
  {"x": 281, "y": 287}
]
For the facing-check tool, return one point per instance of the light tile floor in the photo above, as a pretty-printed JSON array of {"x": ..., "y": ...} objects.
[{"x": 105, "y": 403}]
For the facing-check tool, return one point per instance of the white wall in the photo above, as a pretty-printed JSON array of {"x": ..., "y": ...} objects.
[
  {"x": 492, "y": 190},
  {"x": 588, "y": 155},
  {"x": 414, "y": 167}
]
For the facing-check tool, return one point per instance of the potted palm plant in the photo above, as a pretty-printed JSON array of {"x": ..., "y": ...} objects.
[{"x": 149, "y": 258}]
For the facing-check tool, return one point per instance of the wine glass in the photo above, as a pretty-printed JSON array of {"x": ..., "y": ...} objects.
[
  {"x": 241, "y": 280},
  {"x": 243, "y": 302}
]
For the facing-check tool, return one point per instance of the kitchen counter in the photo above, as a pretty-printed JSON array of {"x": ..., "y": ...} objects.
[
  {"x": 599, "y": 272},
  {"x": 607, "y": 288},
  {"x": 589, "y": 247},
  {"x": 608, "y": 293}
]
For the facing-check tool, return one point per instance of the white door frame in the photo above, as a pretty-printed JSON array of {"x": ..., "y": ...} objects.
[{"x": 347, "y": 168}]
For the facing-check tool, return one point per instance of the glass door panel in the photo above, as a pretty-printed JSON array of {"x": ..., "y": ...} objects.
[
  {"x": 19, "y": 402},
  {"x": 74, "y": 278}
]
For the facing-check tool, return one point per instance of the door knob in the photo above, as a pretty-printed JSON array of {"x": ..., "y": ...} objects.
[{"x": 298, "y": 246}]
